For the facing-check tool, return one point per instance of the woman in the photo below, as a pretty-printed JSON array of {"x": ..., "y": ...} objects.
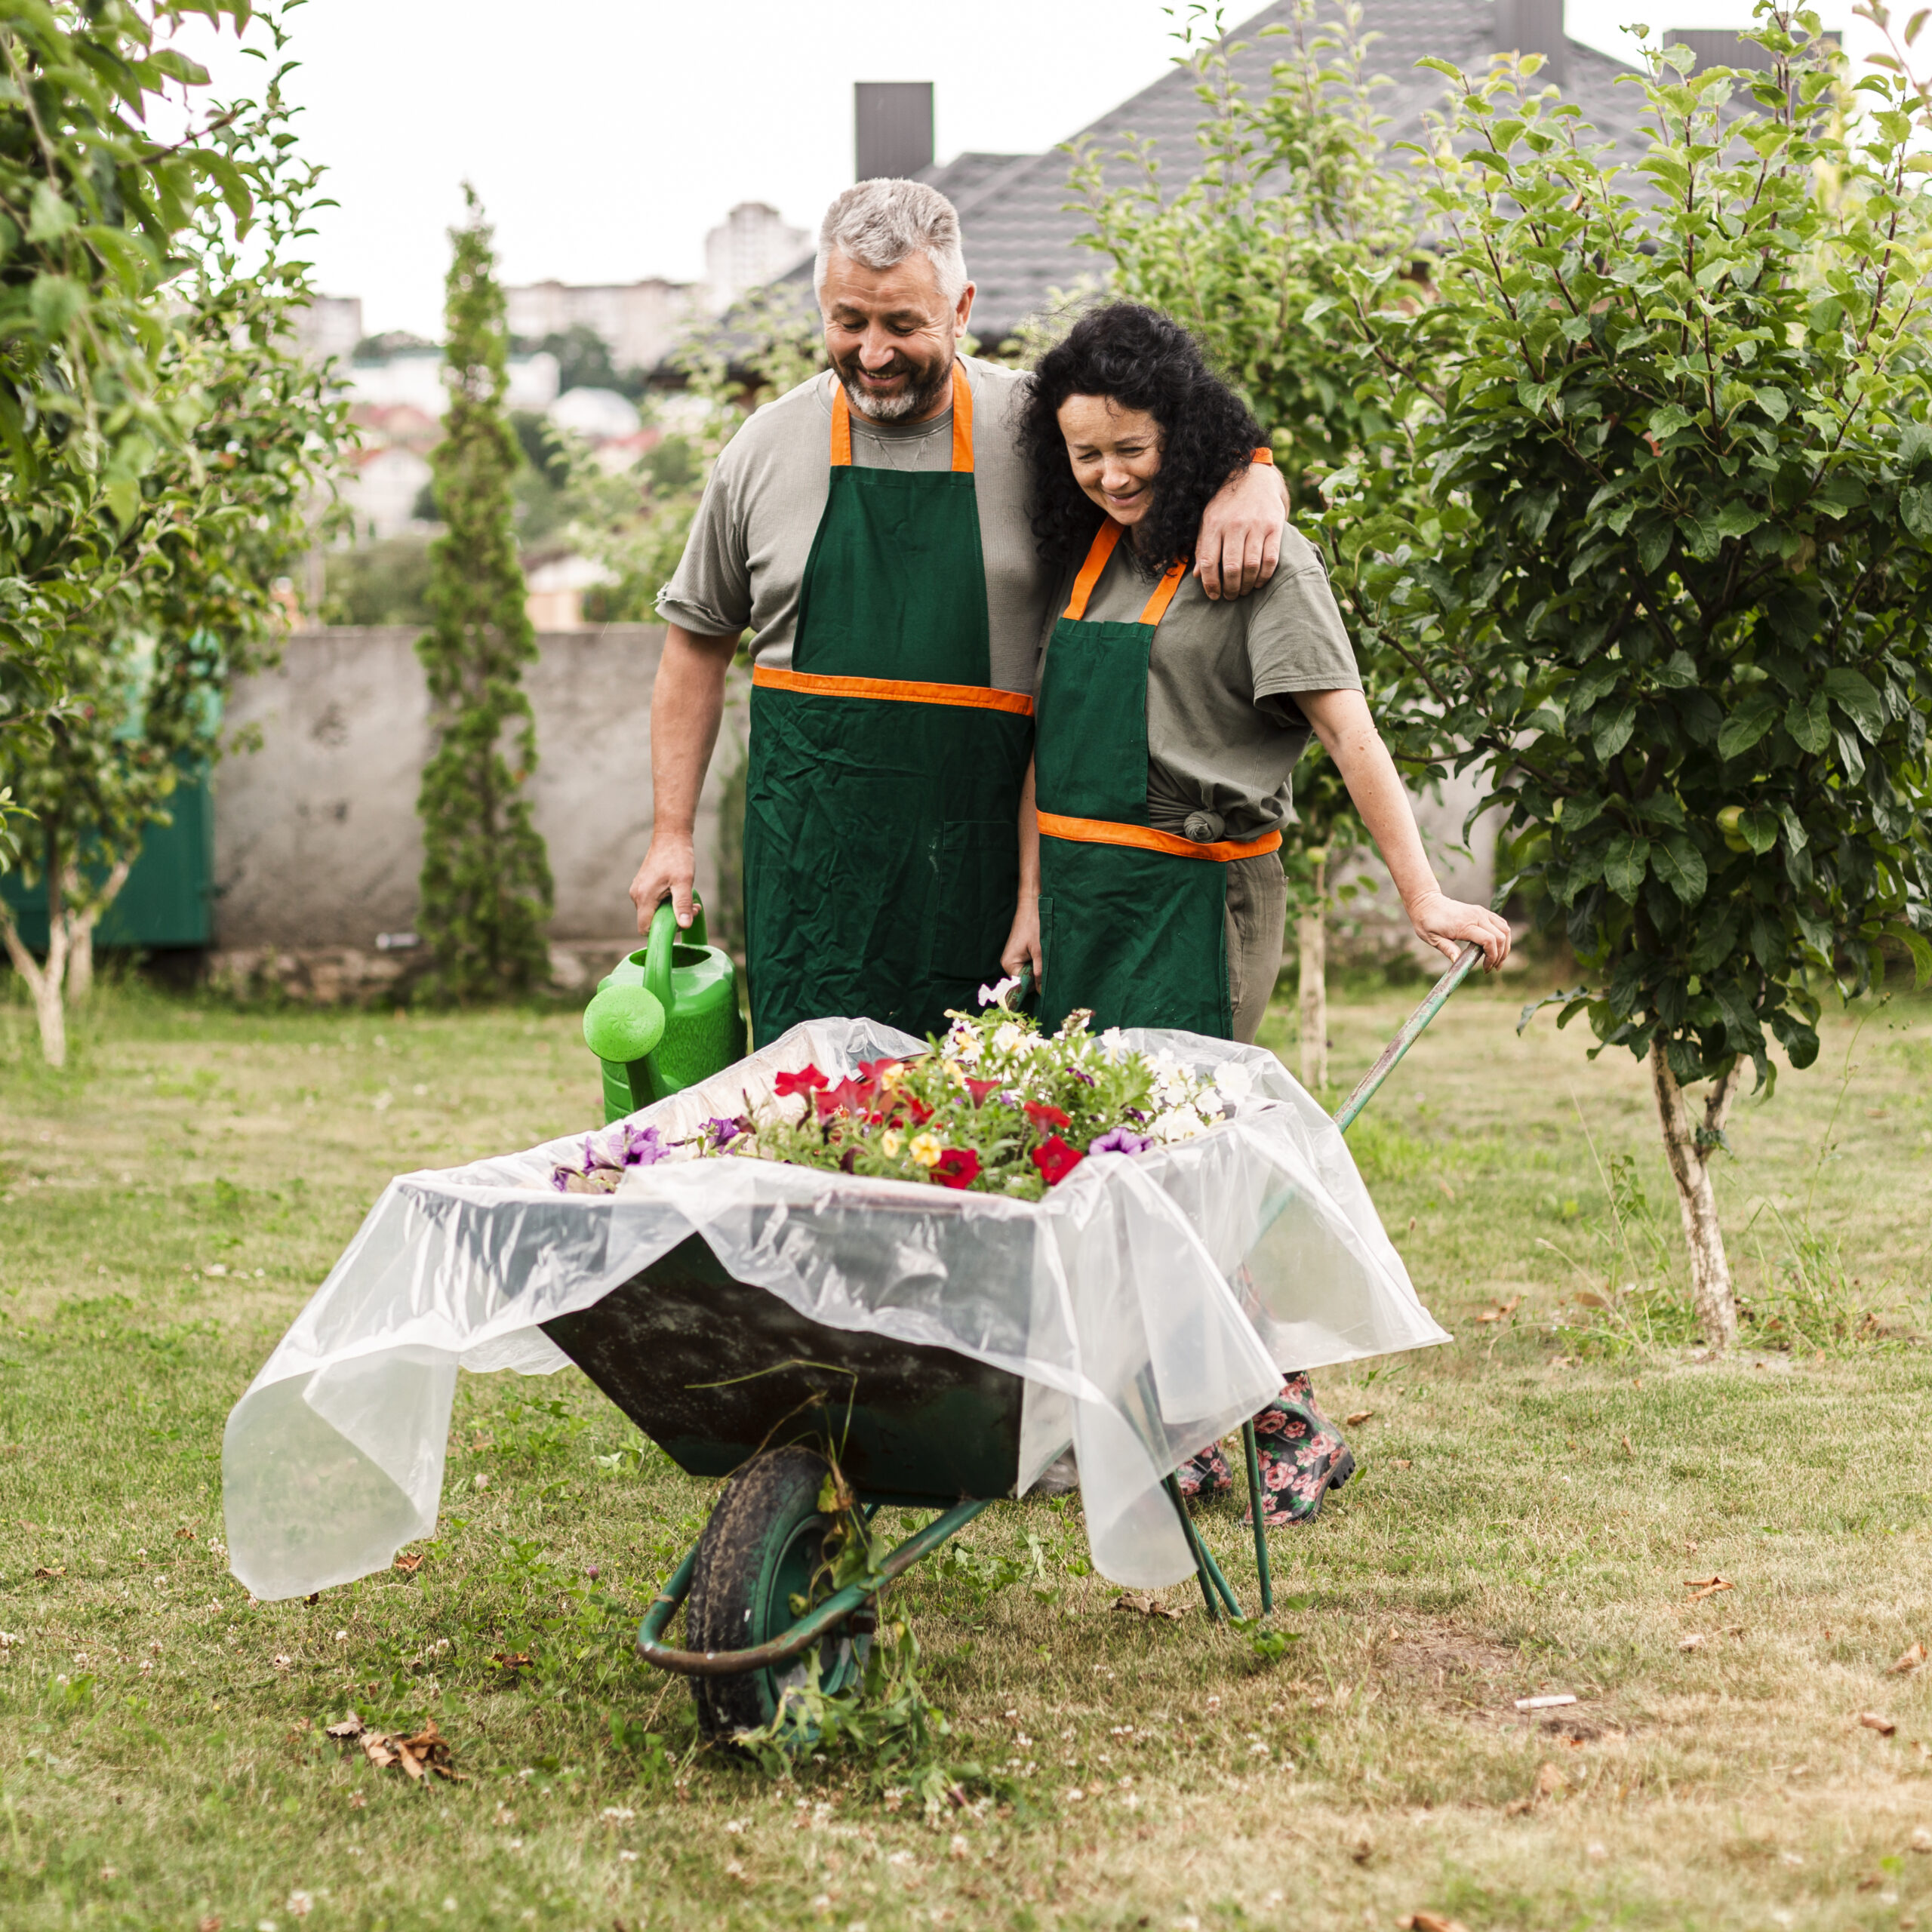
[{"x": 1166, "y": 728}]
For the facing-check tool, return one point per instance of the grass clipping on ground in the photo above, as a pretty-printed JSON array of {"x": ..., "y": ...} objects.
[{"x": 1544, "y": 1509}]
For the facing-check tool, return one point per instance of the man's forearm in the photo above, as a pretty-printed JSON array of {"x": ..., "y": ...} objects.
[{"x": 687, "y": 704}]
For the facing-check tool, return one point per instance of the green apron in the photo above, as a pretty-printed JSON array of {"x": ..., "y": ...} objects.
[
  {"x": 881, "y": 803},
  {"x": 1132, "y": 920}
]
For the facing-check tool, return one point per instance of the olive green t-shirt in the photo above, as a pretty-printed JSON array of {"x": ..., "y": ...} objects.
[{"x": 1223, "y": 730}]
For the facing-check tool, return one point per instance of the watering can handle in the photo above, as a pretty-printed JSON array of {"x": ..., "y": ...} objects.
[{"x": 664, "y": 935}]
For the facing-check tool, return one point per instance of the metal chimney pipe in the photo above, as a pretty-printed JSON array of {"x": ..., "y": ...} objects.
[
  {"x": 1534, "y": 26},
  {"x": 892, "y": 125}
]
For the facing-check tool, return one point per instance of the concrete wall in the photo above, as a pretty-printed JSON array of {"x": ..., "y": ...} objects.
[{"x": 317, "y": 842}]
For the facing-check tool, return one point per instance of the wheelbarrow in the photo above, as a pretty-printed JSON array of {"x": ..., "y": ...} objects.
[{"x": 917, "y": 1428}]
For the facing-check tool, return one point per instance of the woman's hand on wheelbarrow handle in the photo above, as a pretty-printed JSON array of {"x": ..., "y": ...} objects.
[{"x": 1449, "y": 925}]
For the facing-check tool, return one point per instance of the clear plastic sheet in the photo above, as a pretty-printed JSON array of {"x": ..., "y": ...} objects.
[{"x": 1150, "y": 1301}]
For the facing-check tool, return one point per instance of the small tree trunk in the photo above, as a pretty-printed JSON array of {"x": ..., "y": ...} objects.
[
  {"x": 1311, "y": 943},
  {"x": 43, "y": 982},
  {"x": 81, "y": 927},
  {"x": 1711, "y": 1293}
]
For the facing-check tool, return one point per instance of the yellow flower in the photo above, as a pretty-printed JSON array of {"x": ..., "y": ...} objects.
[
  {"x": 890, "y": 1076},
  {"x": 926, "y": 1148},
  {"x": 889, "y": 1145}
]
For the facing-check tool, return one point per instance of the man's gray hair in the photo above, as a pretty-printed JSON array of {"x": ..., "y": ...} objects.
[{"x": 879, "y": 222}]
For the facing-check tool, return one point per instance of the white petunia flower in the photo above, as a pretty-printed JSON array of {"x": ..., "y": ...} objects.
[{"x": 1234, "y": 1081}]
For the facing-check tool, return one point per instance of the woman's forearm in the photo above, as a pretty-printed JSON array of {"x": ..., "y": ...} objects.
[{"x": 1342, "y": 722}]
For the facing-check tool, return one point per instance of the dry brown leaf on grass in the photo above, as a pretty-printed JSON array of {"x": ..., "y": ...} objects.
[
  {"x": 428, "y": 1750},
  {"x": 1875, "y": 1720},
  {"x": 1498, "y": 1311},
  {"x": 1704, "y": 1586},
  {"x": 1871, "y": 1881},
  {"x": 1431, "y": 1922},
  {"x": 1146, "y": 1606},
  {"x": 1908, "y": 1663},
  {"x": 1359, "y": 1416},
  {"x": 51, "y": 1569},
  {"x": 510, "y": 1662},
  {"x": 410, "y": 1563}
]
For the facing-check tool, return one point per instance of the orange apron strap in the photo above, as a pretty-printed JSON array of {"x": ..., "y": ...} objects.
[
  {"x": 1164, "y": 593},
  {"x": 903, "y": 690},
  {"x": 841, "y": 427},
  {"x": 962, "y": 423},
  {"x": 1106, "y": 832},
  {"x": 1105, "y": 538},
  {"x": 962, "y": 418}
]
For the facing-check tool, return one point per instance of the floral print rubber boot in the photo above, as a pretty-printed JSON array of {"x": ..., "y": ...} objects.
[
  {"x": 1303, "y": 1455},
  {"x": 1205, "y": 1474}
]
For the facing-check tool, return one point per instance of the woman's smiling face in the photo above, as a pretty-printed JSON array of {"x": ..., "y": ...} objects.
[{"x": 1115, "y": 453}]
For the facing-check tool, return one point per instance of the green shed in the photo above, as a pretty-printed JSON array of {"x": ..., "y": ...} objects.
[{"x": 169, "y": 898}]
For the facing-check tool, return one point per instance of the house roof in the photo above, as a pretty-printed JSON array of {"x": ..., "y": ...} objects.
[{"x": 1021, "y": 241}]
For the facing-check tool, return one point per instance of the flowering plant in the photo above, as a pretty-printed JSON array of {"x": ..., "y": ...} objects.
[{"x": 995, "y": 1105}]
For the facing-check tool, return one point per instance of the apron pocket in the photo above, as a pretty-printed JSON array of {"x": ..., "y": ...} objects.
[{"x": 978, "y": 888}]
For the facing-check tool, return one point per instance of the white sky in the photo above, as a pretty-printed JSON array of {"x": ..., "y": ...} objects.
[{"x": 605, "y": 136}]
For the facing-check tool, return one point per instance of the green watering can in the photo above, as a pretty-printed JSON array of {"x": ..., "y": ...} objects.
[{"x": 667, "y": 1018}]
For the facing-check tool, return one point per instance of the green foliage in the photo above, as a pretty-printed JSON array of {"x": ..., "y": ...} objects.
[
  {"x": 215, "y": 512},
  {"x": 486, "y": 879},
  {"x": 1673, "y": 584},
  {"x": 93, "y": 213},
  {"x": 583, "y": 361},
  {"x": 1292, "y": 240},
  {"x": 384, "y": 582}
]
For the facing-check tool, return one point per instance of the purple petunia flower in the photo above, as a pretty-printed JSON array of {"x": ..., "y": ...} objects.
[
  {"x": 723, "y": 1130},
  {"x": 643, "y": 1147},
  {"x": 1120, "y": 1140},
  {"x": 560, "y": 1179}
]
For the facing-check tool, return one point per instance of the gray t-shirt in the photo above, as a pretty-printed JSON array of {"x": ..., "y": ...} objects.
[
  {"x": 1223, "y": 730},
  {"x": 745, "y": 558}
]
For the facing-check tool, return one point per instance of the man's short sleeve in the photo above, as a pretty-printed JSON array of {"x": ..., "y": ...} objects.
[{"x": 710, "y": 592}]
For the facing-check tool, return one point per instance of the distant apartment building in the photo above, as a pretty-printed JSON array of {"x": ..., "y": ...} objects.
[
  {"x": 752, "y": 246},
  {"x": 331, "y": 325},
  {"x": 639, "y": 321}
]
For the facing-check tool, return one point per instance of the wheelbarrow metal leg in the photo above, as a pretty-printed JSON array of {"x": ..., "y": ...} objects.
[
  {"x": 1254, "y": 1453},
  {"x": 1206, "y": 1571}
]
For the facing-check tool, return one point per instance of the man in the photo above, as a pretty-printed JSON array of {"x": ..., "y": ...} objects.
[{"x": 871, "y": 529}]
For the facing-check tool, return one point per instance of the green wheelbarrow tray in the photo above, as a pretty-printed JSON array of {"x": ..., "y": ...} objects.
[{"x": 730, "y": 1380}]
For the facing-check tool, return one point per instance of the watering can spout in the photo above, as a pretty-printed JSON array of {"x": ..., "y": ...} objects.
[{"x": 667, "y": 1018}]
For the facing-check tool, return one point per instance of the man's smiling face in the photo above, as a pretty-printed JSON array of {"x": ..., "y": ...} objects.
[{"x": 892, "y": 335}]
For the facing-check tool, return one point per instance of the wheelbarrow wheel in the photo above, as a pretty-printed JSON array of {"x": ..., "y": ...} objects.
[{"x": 765, "y": 1541}]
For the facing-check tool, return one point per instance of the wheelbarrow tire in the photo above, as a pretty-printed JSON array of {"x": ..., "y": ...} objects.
[{"x": 765, "y": 1538}]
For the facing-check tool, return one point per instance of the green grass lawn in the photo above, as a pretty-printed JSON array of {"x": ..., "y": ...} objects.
[{"x": 1531, "y": 1503}]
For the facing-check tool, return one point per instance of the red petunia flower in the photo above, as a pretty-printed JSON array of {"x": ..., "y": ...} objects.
[
  {"x": 1043, "y": 1115},
  {"x": 1055, "y": 1160},
  {"x": 958, "y": 1166},
  {"x": 848, "y": 1096},
  {"x": 803, "y": 1082},
  {"x": 917, "y": 1108},
  {"x": 979, "y": 1089},
  {"x": 876, "y": 1070}
]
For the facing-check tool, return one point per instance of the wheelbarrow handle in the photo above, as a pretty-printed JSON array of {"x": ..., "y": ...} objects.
[{"x": 1412, "y": 1029}]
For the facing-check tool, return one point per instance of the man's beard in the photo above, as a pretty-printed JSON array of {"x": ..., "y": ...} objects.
[{"x": 919, "y": 395}]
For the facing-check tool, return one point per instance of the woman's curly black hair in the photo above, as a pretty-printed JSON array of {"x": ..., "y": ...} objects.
[{"x": 1142, "y": 360}]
